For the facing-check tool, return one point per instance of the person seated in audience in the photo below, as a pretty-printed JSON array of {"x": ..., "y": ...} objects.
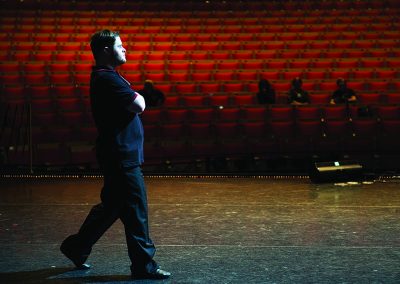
[
  {"x": 298, "y": 96},
  {"x": 343, "y": 95},
  {"x": 266, "y": 94},
  {"x": 152, "y": 96}
]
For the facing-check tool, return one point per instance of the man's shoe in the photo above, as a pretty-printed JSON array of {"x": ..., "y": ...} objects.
[
  {"x": 158, "y": 274},
  {"x": 77, "y": 258}
]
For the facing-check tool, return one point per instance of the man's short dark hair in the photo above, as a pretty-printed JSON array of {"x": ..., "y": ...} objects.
[
  {"x": 340, "y": 81},
  {"x": 101, "y": 39}
]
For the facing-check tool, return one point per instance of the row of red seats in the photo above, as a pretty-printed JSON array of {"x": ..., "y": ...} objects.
[
  {"x": 207, "y": 28},
  {"x": 212, "y": 45},
  {"x": 208, "y": 93},
  {"x": 220, "y": 131},
  {"x": 210, "y": 9},
  {"x": 209, "y": 114},
  {"x": 73, "y": 39},
  {"x": 42, "y": 90},
  {"x": 228, "y": 65},
  {"x": 80, "y": 106},
  {"x": 266, "y": 113},
  {"x": 102, "y": 19},
  {"x": 71, "y": 57}
]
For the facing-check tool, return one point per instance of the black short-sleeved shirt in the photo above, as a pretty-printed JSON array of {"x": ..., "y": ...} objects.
[
  {"x": 120, "y": 130},
  {"x": 300, "y": 96},
  {"x": 341, "y": 96},
  {"x": 152, "y": 98}
]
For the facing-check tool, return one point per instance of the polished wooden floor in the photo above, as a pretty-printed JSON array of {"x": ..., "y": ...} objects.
[{"x": 211, "y": 230}]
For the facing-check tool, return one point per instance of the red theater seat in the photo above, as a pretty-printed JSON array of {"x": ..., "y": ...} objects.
[
  {"x": 200, "y": 130},
  {"x": 34, "y": 67},
  {"x": 153, "y": 66},
  {"x": 335, "y": 112},
  {"x": 154, "y": 76},
  {"x": 130, "y": 67},
  {"x": 264, "y": 54},
  {"x": 372, "y": 63},
  {"x": 240, "y": 100},
  {"x": 320, "y": 98},
  {"x": 10, "y": 79},
  {"x": 203, "y": 65},
  {"x": 308, "y": 129},
  {"x": 40, "y": 92},
  {"x": 172, "y": 101},
  {"x": 341, "y": 73},
  {"x": 254, "y": 129},
  {"x": 219, "y": 100},
  {"x": 228, "y": 114},
  {"x": 59, "y": 67},
  {"x": 201, "y": 76},
  {"x": 65, "y": 56},
  {"x": 393, "y": 98},
  {"x": 152, "y": 116},
  {"x": 233, "y": 87},
  {"x": 253, "y": 64},
  {"x": 243, "y": 54},
  {"x": 185, "y": 46},
  {"x": 177, "y": 115},
  {"x": 281, "y": 113},
  {"x": 69, "y": 104},
  {"x": 225, "y": 75},
  {"x": 210, "y": 87},
  {"x": 81, "y": 78},
  {"x": 185, "y": 88},
  {"x": 181, "y": 66},
  {"x": 255, "y": 113},
  {"x": 133, "y": 78},
  {"x": 308, "y": 112},
  {"x": 390, "y": 112},
  {"x": 194, "y": 100},
  {"x": 362, "y": 74},
  {"x": 64, "y": 91},
  {"x": 178, "y": 76},
  {"x": 368, "y": 98},
  {"x": 378, "y": 86},
  {"x": 281, "y": 129},
  {"x": 247, "y": 75},
  {"x": 226, "y": 130},
  {"x": 60, "y": 78},
  {"x": 357, "y": 86},
  {"x": 386, "y": 74},
  {"x": 337, "y": 128},
  {"x": 228, "y": 65},
  {"x": 348, "y": 63},
  {"x": 172, "y": 131}
]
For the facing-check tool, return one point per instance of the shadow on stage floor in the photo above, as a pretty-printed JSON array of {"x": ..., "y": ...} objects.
[{"x": 211, "y": 230}]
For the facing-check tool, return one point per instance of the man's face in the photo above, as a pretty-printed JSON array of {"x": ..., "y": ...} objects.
[{"x": 119, "y": 52}]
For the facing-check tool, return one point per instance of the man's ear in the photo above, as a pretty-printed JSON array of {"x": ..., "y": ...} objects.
[{"x": 106, "y": 50}]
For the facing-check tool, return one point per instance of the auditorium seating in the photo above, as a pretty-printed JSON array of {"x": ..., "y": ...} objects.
[{"x": 209, "y": 66}]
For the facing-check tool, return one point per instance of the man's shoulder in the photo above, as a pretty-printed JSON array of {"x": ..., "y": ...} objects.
[{"x": 104, "y": 73}]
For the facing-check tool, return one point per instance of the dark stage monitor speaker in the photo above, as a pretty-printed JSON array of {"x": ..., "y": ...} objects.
[{"x": 336, "y": 171}]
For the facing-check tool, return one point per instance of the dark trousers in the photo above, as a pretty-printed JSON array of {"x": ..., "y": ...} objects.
[{"x": 123, "y": 197}]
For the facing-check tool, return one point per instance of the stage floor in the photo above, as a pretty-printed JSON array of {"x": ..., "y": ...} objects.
[{"x": 211, "y": 230}]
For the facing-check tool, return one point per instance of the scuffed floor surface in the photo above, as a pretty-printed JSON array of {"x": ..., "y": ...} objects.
[{"x": 211, "y": 230}]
